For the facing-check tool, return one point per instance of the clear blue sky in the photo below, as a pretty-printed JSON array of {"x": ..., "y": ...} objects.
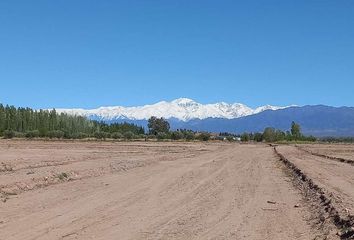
[{"x": 97, "y": 53}]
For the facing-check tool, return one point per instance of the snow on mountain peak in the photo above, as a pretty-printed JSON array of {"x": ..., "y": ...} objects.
[
  {"x": 182, "y": 108},
  {"x": 183, "y": 101}
]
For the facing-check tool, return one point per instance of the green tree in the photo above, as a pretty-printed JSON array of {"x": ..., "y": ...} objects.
[
  {"x": 176, "y": 135},
  {"x": 26, "y": 122},
  {"x": 9, "y": 134},
  {"x": 161, "y": 136},
  {"x": 158, "y": 125},
  {"x": 245, "y": 137},
  {"x": 204, "y": 136},
  {"x": 117, "y": 135},
  {"x": 32, "y": 134},
  {"x": 129, "y": 135},
  {"x": 269, "y": 134},
  {"x": 258, "y": 137},
  {"x": 295, "y": 131},
  {"x": 188, "y": 135}
]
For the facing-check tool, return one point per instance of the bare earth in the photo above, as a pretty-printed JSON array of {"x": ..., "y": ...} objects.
[
  {"x": 335, "y": 177},
  {"x": 102, "y": 190}
]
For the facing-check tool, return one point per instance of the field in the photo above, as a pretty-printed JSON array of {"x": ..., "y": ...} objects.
[{"x": 174, "y": 190}]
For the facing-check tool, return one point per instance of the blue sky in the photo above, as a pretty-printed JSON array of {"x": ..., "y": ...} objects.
[{"x": 97, "y": 53}]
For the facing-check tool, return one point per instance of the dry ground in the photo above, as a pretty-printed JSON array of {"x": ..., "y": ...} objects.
[
  {"x": 103, "y": 190},
  {"x": 345, "y": 151}
]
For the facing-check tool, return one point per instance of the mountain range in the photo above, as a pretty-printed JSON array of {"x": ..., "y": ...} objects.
[
  {"x": 317, "y": 120},
  {"x": 182, "y": 109}
]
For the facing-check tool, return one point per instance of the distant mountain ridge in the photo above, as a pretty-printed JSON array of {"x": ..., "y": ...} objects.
[
  {"x": 317, "y": 120},
  {"x": 183, "y": 109}
]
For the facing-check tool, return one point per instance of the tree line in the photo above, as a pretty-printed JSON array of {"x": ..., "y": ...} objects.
[
  {"x": 159, "y": 128},
  {"x": 275, "y": 135},
  {"x": 29, "y": 123}
]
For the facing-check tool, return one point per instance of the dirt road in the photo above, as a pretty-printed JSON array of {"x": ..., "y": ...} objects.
[{"x": 78, "y": 190}]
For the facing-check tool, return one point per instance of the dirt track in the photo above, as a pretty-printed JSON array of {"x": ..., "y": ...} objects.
[
  {"x": 334, "y": 177},
  {"x": 57, "y": 190}
]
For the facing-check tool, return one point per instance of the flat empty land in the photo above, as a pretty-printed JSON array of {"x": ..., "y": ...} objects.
[{"x": 159, "y": 190}]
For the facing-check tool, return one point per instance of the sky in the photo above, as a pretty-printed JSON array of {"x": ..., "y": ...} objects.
[{"x": 87, "y": 53}]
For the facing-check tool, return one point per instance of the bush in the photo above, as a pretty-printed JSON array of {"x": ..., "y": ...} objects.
[
  {"x": 258, "y": 137},
  {"x": 117, "y": 135},
  {"x": 176, "y": 135},
  {"x": 55, "y": 134},
  {"x": 150, "y": 136},
  {"x": 9, "y": 134},
  {"x": 83, "y": 135},
  {"x": 189, "y": 136},
  {"x": 129, "y": 135},
  {"x": 142, "y": 136},
  {"x": 310, "y": 138},
  {"x": 79, "y": 135},
  {"x": 203, "y": 136},
  {"x": 245, "y": 137},
  {"x": 32, "y": 134},
  {"x": 161, "y": 136},
  {"x": 101, "y": 135},
  {"x": 63, "y": 176},
  {"x": 19, "y": 134}
]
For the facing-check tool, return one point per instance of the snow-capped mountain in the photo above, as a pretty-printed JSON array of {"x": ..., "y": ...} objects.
[{"x": 183, "y": 109}]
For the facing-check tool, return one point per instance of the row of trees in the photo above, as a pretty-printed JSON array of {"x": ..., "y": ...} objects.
[
  {"x": 275, "y": 135},
  {"x": 337, "y": 139},
  {"x": 160, "y": 129},
  {"x": 26, "y": 122},
  {"x": 29, "y": 123}
]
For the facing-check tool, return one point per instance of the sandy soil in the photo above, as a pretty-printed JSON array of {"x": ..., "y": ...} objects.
[
  {"x": 337, "y": 178},
  {"x": 93, "y": 190},
  {"x": 338, "y": 151},
  {"x": 335, "y": 150}
]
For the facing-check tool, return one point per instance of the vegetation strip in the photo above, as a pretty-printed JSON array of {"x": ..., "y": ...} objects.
[
  {"x": 343, "y": 160},
  {"x": 344, "y": 224}
]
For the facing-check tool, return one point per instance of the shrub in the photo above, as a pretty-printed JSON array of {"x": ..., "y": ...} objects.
[
  {"x": 245, "y": 137},
  {"x": 32, "y": 134},
  {"x": 117, "y": 135},
  {"x": 142, "y": 136},
  {"x": 82, "y": 135},
  {"x": 63, "y": 176},
  {"x": 55, "y": 134},
  {"x": 203, "y": 136},
  {"x": 101, "y": 135},
  {"x": 176, "y": 135},
  {"x": 189, "y": 136},
  {"x": 150, "y": 136},
  {"x": 258, "y": 137},
  {"x": 9, "y": 134},
  {"x": 161, "y": 136},
  {"x": 129, "y": 135},
  {"x": 19, "y": 134}
]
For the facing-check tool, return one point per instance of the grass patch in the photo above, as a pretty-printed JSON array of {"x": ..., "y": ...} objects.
[{"x": 62, "y": 176}]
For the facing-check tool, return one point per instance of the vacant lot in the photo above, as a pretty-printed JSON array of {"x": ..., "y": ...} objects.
[{"x": 103, "y": 190}]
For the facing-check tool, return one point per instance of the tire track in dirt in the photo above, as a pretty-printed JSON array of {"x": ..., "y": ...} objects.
[
  {"x": 90, "y": 167},
  {"x": 222, "y": 192},
  {"x": 338, "y": 159},
  {"x": 326, "y": 201}
]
